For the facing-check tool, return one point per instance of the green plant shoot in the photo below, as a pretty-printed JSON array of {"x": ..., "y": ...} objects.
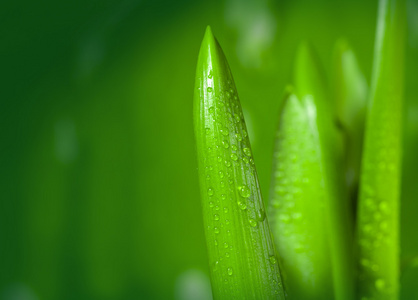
[
  {"x": 296, "y": 211},
  {"x": 378, "y": 207},
  {"x": 350, "y": 93},
  {"x": 310, "y": 83},
  {"x": 242, "y": 257}
]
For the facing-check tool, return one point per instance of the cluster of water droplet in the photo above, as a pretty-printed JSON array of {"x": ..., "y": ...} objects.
[
  {"x": 295, "y": 190},
  {"x": 232, "y": 186},
  {"x": 298, "y": 197},
  {"x": 376, "y": 230},
  {"x": 378, "y": 209}
]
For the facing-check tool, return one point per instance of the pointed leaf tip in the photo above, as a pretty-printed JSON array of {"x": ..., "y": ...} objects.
[
  {"x": 208, "y": 31},
  {"x": 208, "y": 39}
]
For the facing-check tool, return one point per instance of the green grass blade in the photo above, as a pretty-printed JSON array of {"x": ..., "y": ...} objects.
[
  {"x": 296, "y": 211},
  {"x": 243, "y": 262},
  {"x": 378, "y": 208},
  {"x": 310, "y": 83},
  {"x": 350, "y": 95}
]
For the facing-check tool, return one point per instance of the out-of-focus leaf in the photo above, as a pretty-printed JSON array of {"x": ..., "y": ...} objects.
[
  {"x": 309, "y": 81},
  {"x": 296, "y": 211},
  {"x": 350, "y": 96},
  {"x": 378, "y": 208}
]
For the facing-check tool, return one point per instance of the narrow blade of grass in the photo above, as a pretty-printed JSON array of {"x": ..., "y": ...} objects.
[
  {"x": 296, "y": 211},
  {"x": 350, "y": 93},
  {"x": 243, "y": 262},
  {"x": 378, "y": 208},
  {"x": 308, "y": 80}
]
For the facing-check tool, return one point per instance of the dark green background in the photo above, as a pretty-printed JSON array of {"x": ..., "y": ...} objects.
[{"x": 98, "y": 181}]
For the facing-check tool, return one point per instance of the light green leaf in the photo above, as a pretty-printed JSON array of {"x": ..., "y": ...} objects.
[
  {"x": 310, "y": 84},
  {"x": 350, "y": 93},
  {"x": 296, "y": 211},
  {"x": 243, "y": 262}
]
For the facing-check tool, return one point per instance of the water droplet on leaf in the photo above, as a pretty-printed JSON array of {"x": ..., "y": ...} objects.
[
  {"x": 210, "y": 192},
  {"x": 244, "y": 191}
]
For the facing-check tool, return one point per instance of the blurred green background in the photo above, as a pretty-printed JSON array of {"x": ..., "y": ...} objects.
[{"x": 99, "y": 191}]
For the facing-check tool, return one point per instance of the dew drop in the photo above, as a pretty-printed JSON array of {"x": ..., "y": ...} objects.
[
  {"x": 245, "y": 159},
  {"x": 223, "y": 197},
  {"x": 210, "y": 74},
  {"x": 225, "y": 144},
  {"x": 244, "y": 191},
  {"x": 211, "y": 110},
  {"x": 273, "y": 260},
  {"x": 216, "y": 230},
  {"x": 234, "y": 148},
  {"x": 261, "y": 215},
  {"x": 224, "y": 131},
  {"x": 380, "y": 284},
  {"x": 253, "y": 223},
  {"x": 207, "y": 130},
  {"x": 284, "y": 218},
  {"x": 230, "y": 271},
  {"x": 234, "y": 157},
  {"x": 216, "y": 264},
  {"x": 242, "y": 205},
  {"x": 239, "y": 137},
  {"x": 247, "y": 151},
  {"x": 210, "y": 90},
  {"x": 227, "y": 163},
  {"x": 367, "y": 228},
  {"x": 210, "y": 192},
  {"x": 221, "y": 174},
  {"x": 211, "y": 204},
  {"x": 383, "y": 206},
  {"x": 216, "y": 217},
  {"x": 365, "y": 262},
  {"x": 226, "y": 210},
  {"x": 226, "y": 245}
]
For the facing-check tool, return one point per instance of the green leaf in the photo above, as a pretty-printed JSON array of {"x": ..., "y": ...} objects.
[
  {"x": 243, "y": 262},
  {"x": 313, "y": 94},
  {"x": 296, "y": 211},
  {"x": 350, "y": 93},
  {"x": 378, "y": 208}
]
